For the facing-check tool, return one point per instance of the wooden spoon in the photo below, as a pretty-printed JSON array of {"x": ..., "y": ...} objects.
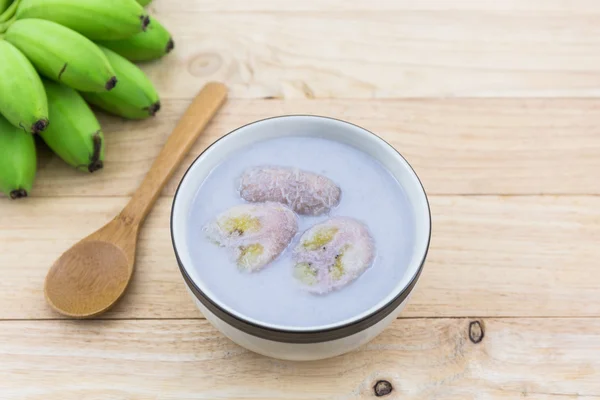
[{"x": 92, "y": 275}]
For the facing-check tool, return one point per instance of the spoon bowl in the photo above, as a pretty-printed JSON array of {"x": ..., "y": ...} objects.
[{"x": 92, "y": 275}]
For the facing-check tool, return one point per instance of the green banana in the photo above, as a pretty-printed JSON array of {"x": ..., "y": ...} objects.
[
  {"x": 134, "y": 98},
  {"x": 22, "y": 97},
  {"x": 144, "y": 2},
  {"x": 18, "y": 160},
  {"x": 74, "y": 133},
  {"x": 95, "y": 19},
  {"x": 154, "y": 43},
  {"x": 62, "y": 54}
]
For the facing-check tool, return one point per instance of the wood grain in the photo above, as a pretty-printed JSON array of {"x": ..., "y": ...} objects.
[
  {"x": 545, "y": 6},
  {"x": 490, "y": 256},
  {"x": 495, "y": 104},
  {"x": 181, "y": 359},
  {"x": 388, "y": 50},
  {"x": 457, "y": 146}
]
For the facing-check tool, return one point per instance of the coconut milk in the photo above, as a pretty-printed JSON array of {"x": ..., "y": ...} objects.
[{"x": 272, "y": 296}]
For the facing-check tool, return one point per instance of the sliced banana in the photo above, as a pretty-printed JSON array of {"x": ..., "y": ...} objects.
[
  {"x": 332, "y": 254},
  {"x": 255, "y": 234}
]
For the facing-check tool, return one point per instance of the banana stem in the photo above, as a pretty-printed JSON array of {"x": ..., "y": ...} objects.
[{"x": 10, "y": 11}]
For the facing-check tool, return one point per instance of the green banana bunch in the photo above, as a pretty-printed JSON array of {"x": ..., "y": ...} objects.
[
  {"x": 22, "y": 97},
  {"x": 154, "y": 43},
  {"x": 144, "y": 2},
  {"x": 62, "y": 54},
  {"x": 95, "y": 19},
  {"x": 18, "y": 160},
  {"x": 135, "y": 97},
  {"x": 74, "y": 133}
]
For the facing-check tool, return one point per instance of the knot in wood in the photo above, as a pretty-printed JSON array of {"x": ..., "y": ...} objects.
[
  {"x": 382, "y": 388},
  {"x": 476, "y": 332}
]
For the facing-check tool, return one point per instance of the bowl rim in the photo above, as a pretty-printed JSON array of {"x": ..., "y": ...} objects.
[{"x": 299, "y": 336}]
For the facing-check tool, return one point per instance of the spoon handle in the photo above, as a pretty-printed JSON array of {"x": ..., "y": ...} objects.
[{"x": 204, "y": 106}]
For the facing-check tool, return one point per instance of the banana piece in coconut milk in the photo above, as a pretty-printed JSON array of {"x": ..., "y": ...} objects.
[
  {"x": 332, "y": 254},
  {"x": 304, "y": 192},
  {"x": 255, "y": 234}
]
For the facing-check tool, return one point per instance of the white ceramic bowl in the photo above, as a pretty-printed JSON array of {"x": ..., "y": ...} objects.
[{"x": 318, "y": 342}]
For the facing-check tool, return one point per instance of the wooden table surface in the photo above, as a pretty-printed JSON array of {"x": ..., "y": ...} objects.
[{"x": 496, "y": 104}]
